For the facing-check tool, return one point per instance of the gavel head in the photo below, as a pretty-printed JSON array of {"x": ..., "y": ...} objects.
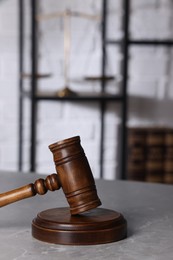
[{"x": 75, "y": 175}]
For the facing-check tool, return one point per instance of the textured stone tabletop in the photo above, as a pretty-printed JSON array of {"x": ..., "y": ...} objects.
[{"x": 148, "y": 209}]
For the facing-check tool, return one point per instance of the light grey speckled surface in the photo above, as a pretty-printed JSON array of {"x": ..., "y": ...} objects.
[{"x": 148, "y": 209}]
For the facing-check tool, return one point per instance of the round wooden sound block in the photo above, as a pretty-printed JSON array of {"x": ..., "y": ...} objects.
[{"x": 96, "y": 226}]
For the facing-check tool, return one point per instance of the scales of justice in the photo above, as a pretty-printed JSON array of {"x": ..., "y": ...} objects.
[
  {"x": 82, "y": 223},
  {"x": 67, "y": 15}
]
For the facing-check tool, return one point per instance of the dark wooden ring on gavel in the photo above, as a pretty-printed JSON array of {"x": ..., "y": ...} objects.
[
  {"x": 51, "y": 183},
  {"x": 75, "y": 175}
]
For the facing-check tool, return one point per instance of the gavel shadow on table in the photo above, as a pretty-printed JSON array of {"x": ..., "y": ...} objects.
[{"x": 81, "y": 224}]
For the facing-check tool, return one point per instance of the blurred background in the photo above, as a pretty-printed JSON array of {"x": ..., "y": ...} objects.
[{"x": 91, "y": 68}]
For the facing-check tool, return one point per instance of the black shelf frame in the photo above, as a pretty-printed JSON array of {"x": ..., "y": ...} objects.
[
  {"x": 33, "y": 85},
  {"x": 125, "y": 51},
  {"x": 124, "y": 70},
  {"x": 34, "y": 49},
  {"x": 166, "y": 42},
  {"x": 21, "y": 51},
  {"x": 80, "y": 98},
  {"x": 102, "y": 98}
]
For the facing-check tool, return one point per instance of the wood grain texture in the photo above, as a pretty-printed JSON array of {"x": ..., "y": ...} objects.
[
  {"x": 96, "y": 226},
  {"x": 40, "y": 187},
  {"x": 75, "y": 175}
]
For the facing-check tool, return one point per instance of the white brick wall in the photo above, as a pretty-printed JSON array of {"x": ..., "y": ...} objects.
[
  {"x": 150, "y": 79},
  {"x": 150, "y": 73},
  {"x": 8, "y": 85}
]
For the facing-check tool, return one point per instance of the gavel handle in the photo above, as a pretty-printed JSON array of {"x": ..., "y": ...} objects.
[{"x": 40, "y": 186}]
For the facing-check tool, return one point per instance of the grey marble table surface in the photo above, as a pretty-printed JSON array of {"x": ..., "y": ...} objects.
[{"x": 148, "y": 209}]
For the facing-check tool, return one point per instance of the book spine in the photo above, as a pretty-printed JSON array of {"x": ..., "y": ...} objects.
[
  {"x": 136, "y": 154},
  {"x": 168, "y": 158},
  {"x": 155, "y": 155}
]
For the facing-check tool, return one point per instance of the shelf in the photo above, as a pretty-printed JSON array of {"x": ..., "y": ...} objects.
[
  {"x": 166, "y": 42},
  {"x": 151, "y": 42},
  {"x": 80, "y": 96},
  {"x": 97, "y": 78},
  {"x": 37, "y": 76}
]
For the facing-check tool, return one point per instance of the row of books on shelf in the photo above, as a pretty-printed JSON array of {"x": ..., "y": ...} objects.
[{"x": 150, "y": 154}]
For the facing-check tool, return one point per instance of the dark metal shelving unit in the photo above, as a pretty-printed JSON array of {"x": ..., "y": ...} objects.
[
  {"x": 124, "y": 48},
  {"x": 33, "y": 86},
  {"x": 102, "y": 97},
  {"x": 126, "y": 43},
  {"x": 21, "y": 45},
  {"x": 79, "y": 97},
  {"x": 143, "y": 42}
]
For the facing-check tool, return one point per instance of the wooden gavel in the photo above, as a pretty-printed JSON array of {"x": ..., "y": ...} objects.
[{"x": 73, "y": 175}]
